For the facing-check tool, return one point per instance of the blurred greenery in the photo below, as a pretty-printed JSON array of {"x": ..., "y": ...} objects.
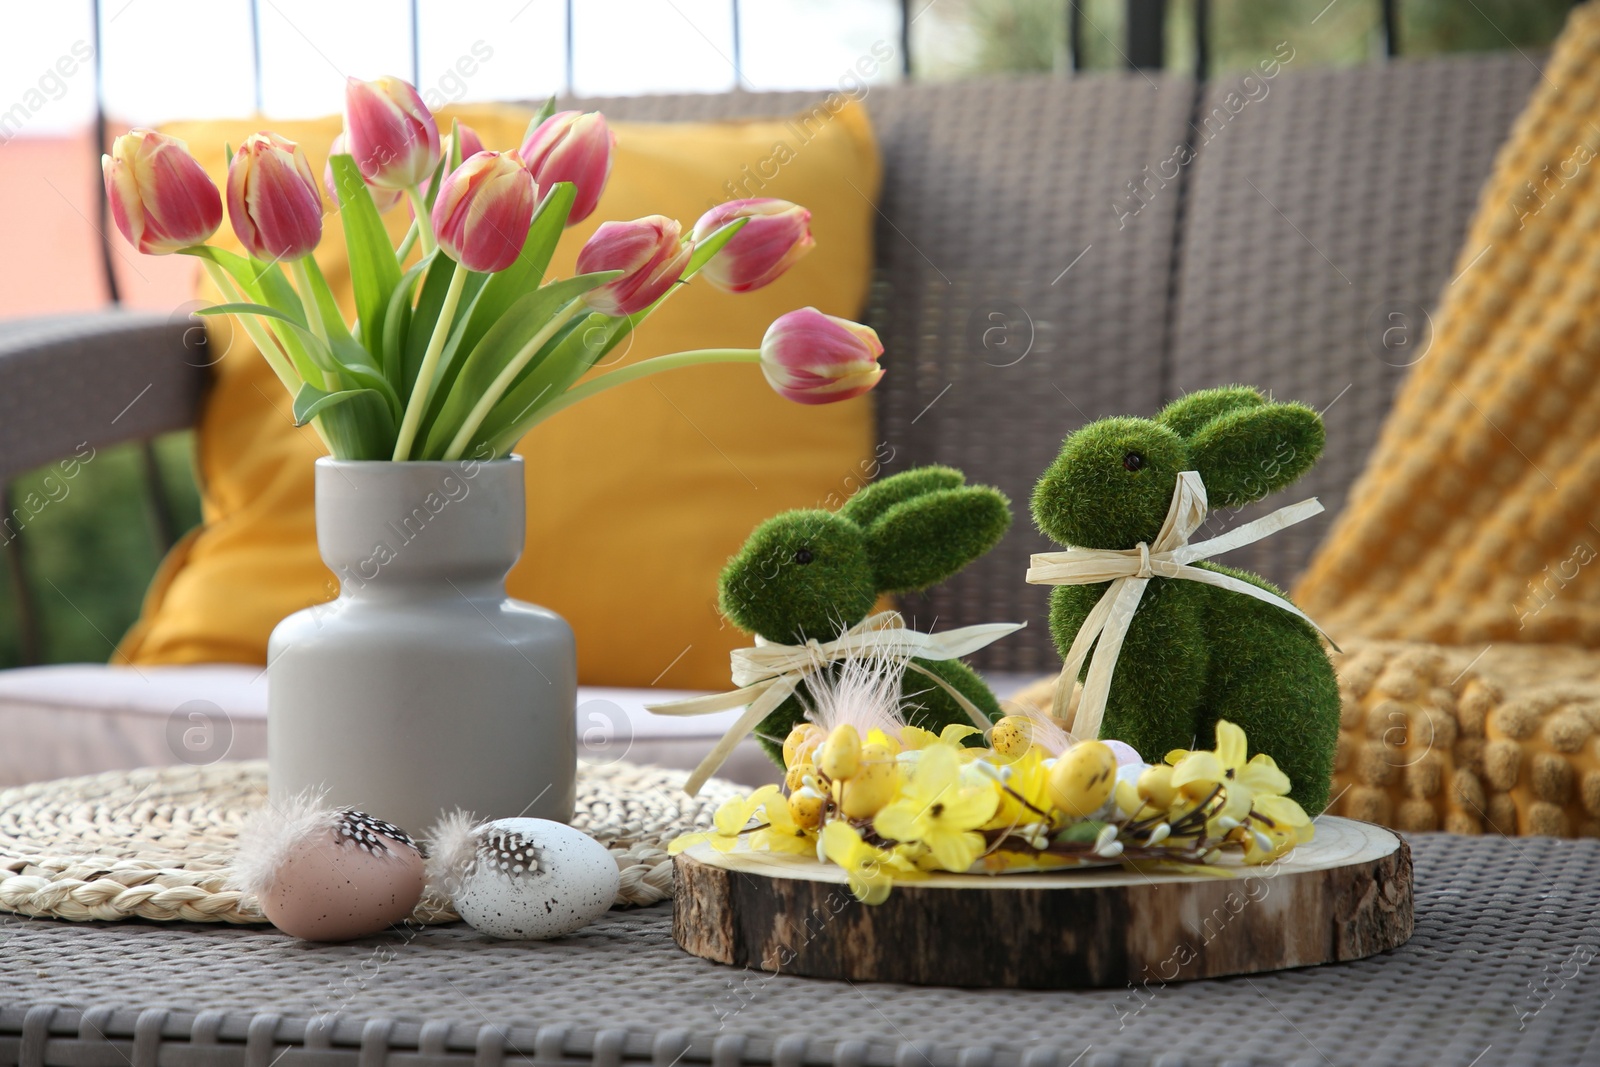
[
  {"x": 91, "y": 547},
  {"x": 963, "y": 38},
  {"x": 91, "y": 553}
]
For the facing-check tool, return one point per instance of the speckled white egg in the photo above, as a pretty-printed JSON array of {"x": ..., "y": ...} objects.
[{"x": 531, "y": 879}]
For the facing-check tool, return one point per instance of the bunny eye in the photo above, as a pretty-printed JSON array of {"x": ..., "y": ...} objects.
[
  {"x": 1132, "y": 461},
  {"x": 803, "y": 555}
]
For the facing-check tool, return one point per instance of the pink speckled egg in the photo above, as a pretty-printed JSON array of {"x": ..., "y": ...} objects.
[{"x": 345, "y": 880}]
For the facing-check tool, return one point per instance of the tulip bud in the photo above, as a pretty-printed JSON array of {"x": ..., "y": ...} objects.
[
  {"x": 483, "y": 210},
  {"x": 471, "y": 143},
  {"x": 383, "y": 199},
  {"x": 647, "y": 250},
  {"x": 160, "y": 197},
  {"x": 273, "y": 199},
  {"x": 570, "y": 146},
  {"x": 390, "y": 132},
  {"x": 813, "y": 358},
  {"x": 777, "y": 234}
]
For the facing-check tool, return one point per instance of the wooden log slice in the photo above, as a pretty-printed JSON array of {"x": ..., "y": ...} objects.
[{"x": 1344, "y": 896}]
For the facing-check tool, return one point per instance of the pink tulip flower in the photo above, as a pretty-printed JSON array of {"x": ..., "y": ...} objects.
[
  {"x": 384, "y": 199},
  {"x": 777, "y": 234},
  {"x": 812, "y": 358},
  {"x": 161, "y": 198},
  {"x": 570, "y": 146},
  {"x": 651, "y": 253},
  {"x": 390, "y": 132},
  {"x": 483, "y": 210},
  {"x": 273, "y": 199}
]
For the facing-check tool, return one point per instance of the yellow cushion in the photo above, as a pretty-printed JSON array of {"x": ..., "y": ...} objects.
[{"x": 663, "y": 478}]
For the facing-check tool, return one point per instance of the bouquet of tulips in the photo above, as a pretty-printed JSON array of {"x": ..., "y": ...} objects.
[
  {"x": 891, "y": 802},
  {"x": 461, "y": 343}
]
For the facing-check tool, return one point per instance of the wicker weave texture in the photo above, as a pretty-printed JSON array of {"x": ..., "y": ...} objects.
[
  {"x": 99, "y": 379},
  {"x": 996, "y": 350},
  {"x": 1324, "y": 220},
  {"x": 1502, "y": 959},
  {"x": 158, "y": 843}
]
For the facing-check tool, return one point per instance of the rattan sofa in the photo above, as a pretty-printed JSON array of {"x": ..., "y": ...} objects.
[{"x": 1043, "y": 258}]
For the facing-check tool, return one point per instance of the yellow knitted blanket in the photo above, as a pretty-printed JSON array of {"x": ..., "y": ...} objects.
[
  {"x": 1462, "y": 577},
  {"x": 1476, "y": 518}
]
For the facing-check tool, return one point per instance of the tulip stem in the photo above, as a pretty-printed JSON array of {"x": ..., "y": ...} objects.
[
  {"x": 423, "y": 221},
  {"x": 264, "y": 341},
  {"x": 502, "y": 381},
  {"x": 308, "y": 299},
  {"x": 643, "y": 369},
  {"x": 408, "y": 242},
  {"x": 422, "y": 388},
  {"x": 255, "y": 330}
]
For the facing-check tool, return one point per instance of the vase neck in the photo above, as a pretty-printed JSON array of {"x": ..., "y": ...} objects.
[{"x": 390, "y": 527}]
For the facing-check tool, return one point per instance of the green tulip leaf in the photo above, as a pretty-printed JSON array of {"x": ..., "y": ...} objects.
[
  {"x": 515, "y": 329},
  {"x": 357, "y": 422},
  {"x": 397, "y": 325},
  {"x": 573, "y": 353},
  {"x": 374, "y": 271},
  {"x": 704, "y": 250},
  {"x": 546, "y": 109},
  {"x": 510, "y": 285}
]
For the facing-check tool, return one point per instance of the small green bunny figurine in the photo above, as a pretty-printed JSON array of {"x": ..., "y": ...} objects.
[
  {"x": 1195, "y": 653},
  {"x": 812, "y": 574}
]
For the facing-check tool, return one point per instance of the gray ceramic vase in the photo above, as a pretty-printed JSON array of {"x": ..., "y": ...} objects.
[{"x": 423, "y": 688}]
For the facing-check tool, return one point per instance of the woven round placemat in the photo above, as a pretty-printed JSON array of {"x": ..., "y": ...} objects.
[{"x": 157, "y": 843}]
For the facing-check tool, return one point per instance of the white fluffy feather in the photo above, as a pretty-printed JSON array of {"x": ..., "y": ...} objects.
[
  {"x": 864, "y": 694},
  {"x": 451, "y": 844},
  {"x": 267, "y": 836}
]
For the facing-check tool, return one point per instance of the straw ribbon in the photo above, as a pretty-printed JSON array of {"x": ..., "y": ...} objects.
[
  {"x": 769, "y": 673},
  {"x": 1130, "y": 570}
]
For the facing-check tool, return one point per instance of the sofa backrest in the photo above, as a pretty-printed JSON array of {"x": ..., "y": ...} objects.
[
  {"x": 1048, "y": 254},
  {"x": 1323, "y": 223}
]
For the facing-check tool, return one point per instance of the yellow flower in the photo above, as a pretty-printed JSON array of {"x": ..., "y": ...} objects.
[
  {"x": 1227, "y": 766},
  {"x": 936, "y": 809},
  {"x": 1029, "y": 779},
  {"x": 866, "y": 866},
  {"x": 1277, "y": 825},
  {"x": 782, "y": 834},
  {"x": 915, "y": 737},
  {"x": 730, "y": 821}
]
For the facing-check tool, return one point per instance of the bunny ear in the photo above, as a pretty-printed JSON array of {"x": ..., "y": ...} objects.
[
  {"x": 930, "y": 536},
  {"x": 1246, "y": 454},
  {"x": 1187, "y": 414},
  {"x": 871, "y": 502}
]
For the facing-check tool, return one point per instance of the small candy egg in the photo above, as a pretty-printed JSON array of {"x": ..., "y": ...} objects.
[
  {"x": 1011, "y": 737},
  {"x": 531, "y": 879},
  {"x": 873, "y": 785},
  {"x": 1155, "y": 787},
  {"x": 805, "y": 808},
  {"x": 802, "y": 743},
  {"x": 796, "y": 776},
  {"x": 1082, "y": 778},
  {"x": 841, "y": 753},
  {"x": 331, "y": 875}
]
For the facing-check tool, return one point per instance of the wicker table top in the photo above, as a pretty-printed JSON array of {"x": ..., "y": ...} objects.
[{"x": 1499, "y": 972}]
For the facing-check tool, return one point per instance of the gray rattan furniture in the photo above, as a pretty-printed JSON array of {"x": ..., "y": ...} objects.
[
  {"x": 1021, "y": 289},
  {"x": 1499, "y": 971},
  {"x": 1018, "y": 295}
]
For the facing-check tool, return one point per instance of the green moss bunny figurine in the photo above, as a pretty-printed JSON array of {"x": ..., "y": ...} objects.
[
  {"x": 812, "y": 574},
  {"x": 1195, "y": 653}
]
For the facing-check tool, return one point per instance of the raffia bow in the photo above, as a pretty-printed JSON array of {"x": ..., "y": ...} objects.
[
  {"x": 1129, "y": 571},
  {"x": 768, "y": 673}
]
